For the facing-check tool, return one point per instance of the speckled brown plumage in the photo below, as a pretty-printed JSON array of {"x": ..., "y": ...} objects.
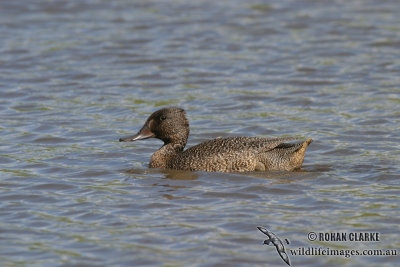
[{"x": 232, "y": 154}]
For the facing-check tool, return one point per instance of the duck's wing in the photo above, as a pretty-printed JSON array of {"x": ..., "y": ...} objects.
[
  {"x": 292, "y": 147},
  {"x": 238, "y": 144}
]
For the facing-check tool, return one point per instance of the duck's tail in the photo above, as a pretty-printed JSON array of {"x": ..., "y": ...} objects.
[
  {"x": 298, "y": 156},
  {"x": 307, "y": 142}
]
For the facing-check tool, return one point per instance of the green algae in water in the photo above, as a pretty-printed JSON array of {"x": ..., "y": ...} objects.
[{"x": 262, "y": 7}]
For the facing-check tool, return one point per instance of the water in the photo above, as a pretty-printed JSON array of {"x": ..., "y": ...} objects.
[{"x": 75, "y": 76}]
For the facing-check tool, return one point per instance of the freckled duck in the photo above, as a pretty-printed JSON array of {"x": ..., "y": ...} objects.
[{"x": 231, "y": 154}]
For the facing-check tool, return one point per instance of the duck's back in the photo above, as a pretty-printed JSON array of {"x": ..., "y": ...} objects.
[{"x": 238, "y": 154}]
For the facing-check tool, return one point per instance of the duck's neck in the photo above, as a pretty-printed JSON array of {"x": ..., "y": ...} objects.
[{"x": 162, "y": 157}]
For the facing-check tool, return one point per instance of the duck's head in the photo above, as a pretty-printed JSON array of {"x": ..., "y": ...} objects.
[{"x": 168, "y": 124}]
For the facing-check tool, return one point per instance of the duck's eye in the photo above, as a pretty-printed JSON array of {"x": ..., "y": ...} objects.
[{"x": 163, "y": 118}]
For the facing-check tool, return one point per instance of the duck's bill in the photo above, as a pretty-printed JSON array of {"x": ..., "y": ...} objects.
[{"x": 144, "y": 133}]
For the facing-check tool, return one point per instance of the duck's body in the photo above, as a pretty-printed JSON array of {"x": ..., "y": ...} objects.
[{"x": 232, "y": 154}]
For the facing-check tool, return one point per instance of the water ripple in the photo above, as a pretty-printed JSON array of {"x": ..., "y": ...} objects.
[{"x": 76, "y": 76}]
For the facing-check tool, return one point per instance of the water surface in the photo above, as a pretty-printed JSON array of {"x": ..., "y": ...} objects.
[{"x": 75, "y": 76}]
